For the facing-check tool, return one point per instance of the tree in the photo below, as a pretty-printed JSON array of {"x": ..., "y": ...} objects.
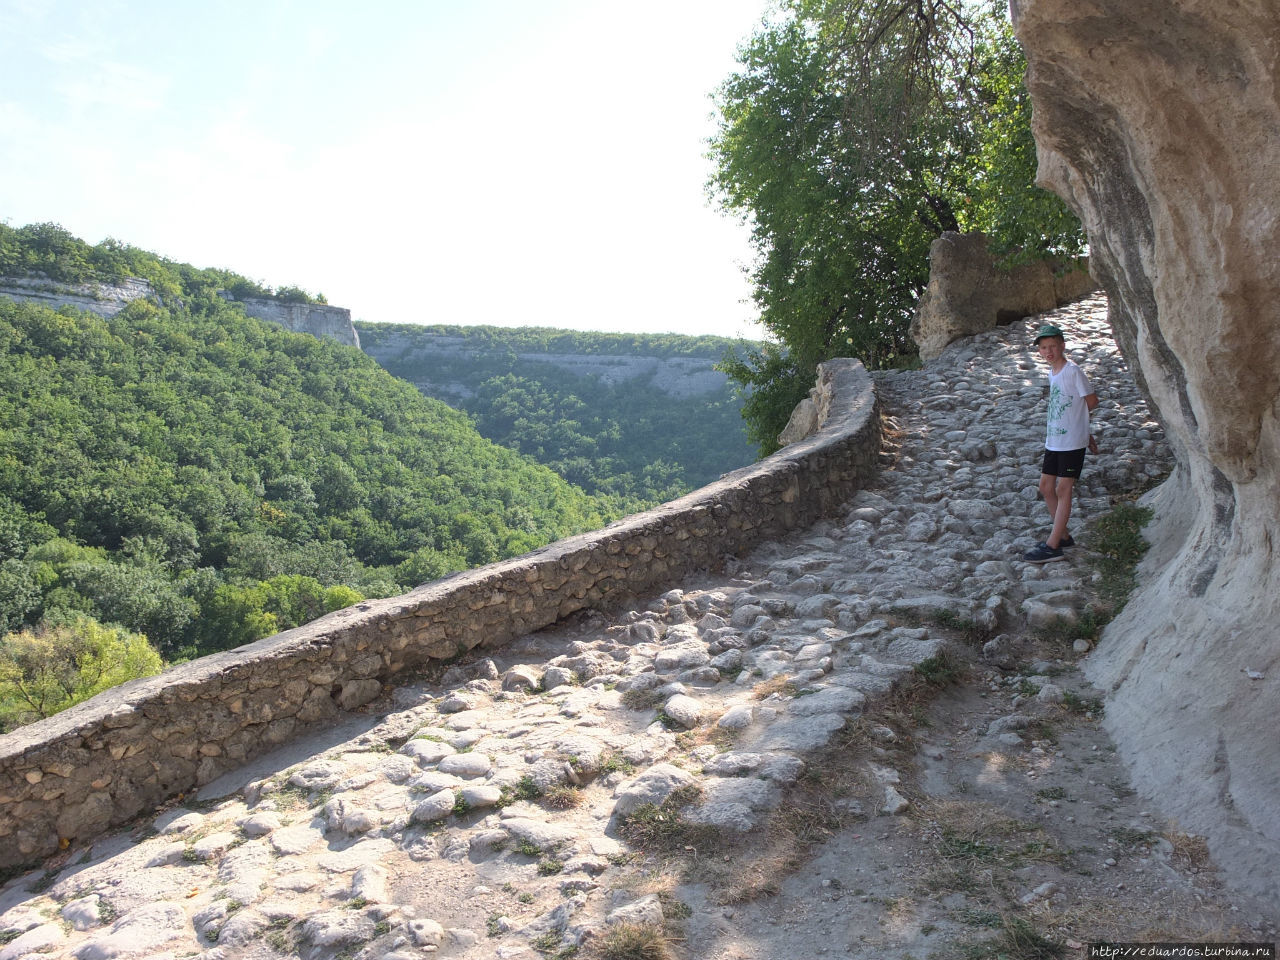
[
  {"x": 855, "y": 132},
  {"x": 59, "y": 664}
]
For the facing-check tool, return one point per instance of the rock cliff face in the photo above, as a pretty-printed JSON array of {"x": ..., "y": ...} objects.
[
  {"x": 107, "y": 299},
  {"x": 1159, "y": 122},
  {"x": 317, "y": 319},
  {"x": 674, "y": 376},
  {"x": 104, "y": 299}
]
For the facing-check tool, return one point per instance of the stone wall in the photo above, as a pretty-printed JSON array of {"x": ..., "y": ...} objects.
[
  {"x": 968, "y": 294},
  {"x": 126, "y": 750},
  {"x": 1158, "y": 121}
]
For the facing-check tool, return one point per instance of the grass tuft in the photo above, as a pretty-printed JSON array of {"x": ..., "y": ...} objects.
[
  {"x": 780, "y": 684},
  {"x": 634, "y": 941},
  {"x": 940, "y": 670},
  {"x": 662, "y": 830}
]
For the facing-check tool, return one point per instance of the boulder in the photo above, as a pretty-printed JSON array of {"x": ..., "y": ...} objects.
[
  {"x": 1158, "y": 122},
  {"x": 969, "y": 294}
]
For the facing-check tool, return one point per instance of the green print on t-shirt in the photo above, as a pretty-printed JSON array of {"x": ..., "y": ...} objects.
[{"x": 1059, "y": 404}]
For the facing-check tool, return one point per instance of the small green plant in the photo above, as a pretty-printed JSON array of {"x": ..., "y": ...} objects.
[
  {"x": 528, "y": 848},
  {"x": 1119, "y": 545},
  {"x": 493, "y": 924},
  {"x": 460, "y": 806},
  {"x": 525, "y": 897},
  {"x": 527, "y": 789},
  {"x": 549, "y": 866},
  {"x": 1130, "y": 839},
  {"x": 277, "y": 936},
  {"x": 547, "y": 942},
  {"x": 979, "y": 918},
  {"x": 321, "y": 797},
  {"x": 357, "y": 903},
  {"x": 8, "y": 936},
  {"x": 1052, "y": 793},
  {"x": 668, "y": 721},
  {"x": 1082, "y": 705},
  {"x": 662, "y": 829},
  {"x": 1018, "y": 940},
  {"x": 953, "y": 845},
  {"x": 382, "y": 928},
  {"x": 617, "y": 763},
  {"x": 940, "y": 670},
  {"x": 672, "y": 908}
]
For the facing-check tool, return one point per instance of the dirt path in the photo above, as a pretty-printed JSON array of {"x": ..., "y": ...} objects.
[{"x": 1005, "y": 850}]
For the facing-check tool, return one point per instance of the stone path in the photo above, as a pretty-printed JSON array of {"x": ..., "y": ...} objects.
[{"x": 481, "y": 813}]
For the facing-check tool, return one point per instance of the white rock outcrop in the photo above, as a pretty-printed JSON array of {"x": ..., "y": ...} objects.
[{"x": 1159, "y": 123}]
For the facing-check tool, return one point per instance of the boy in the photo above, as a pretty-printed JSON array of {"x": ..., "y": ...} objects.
[{"x": 1071, "y": 400}]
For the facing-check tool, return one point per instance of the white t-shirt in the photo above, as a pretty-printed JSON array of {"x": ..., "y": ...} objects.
[{"x": 1068, "y": 427}]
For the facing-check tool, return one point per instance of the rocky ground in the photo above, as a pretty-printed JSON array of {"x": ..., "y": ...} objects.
[{"x": 870, "y": 740}]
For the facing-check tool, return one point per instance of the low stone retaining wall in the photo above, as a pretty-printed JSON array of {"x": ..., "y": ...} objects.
[{"x": 128, "y": 749}]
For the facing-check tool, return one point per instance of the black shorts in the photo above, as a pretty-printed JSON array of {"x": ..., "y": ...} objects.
[{"x": 1063, "y": 463}]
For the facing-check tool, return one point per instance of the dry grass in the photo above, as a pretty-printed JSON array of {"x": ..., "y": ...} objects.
[
  {"x": 719, "y": 737},
  {"x": 633, "y": 941},
  {"x": 781, "y": 683},
  {"x": 561, "y": 797},
  {"x": 662, "y": 831},
  {"x": 1190, "y": 852},
  {"x": 641, "y": 699}
]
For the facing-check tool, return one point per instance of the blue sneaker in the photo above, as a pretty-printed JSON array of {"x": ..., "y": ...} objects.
[{"x": 1043, "y": 553}]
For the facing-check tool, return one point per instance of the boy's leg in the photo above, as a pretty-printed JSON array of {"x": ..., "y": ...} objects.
[
  {"x": 1049, "y": 493},
  {"x": 1061, "y": 508}
]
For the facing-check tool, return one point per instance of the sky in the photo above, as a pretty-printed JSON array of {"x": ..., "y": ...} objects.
[{"x": 509, "y": 162}]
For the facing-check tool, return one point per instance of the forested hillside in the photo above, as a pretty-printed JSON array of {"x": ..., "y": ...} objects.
[
  {"x": 637, "y": 418},
  {"x": 195, "y": 479}
]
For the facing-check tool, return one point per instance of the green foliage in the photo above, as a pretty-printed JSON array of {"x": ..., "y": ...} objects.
[
  {"x": 1119, "y": 545},
  {"x": 49, "y": 251},
  {"x": 204, "y": 479},
  {"x": 852, "y": 135},
  {"x": 616, "y": 436},
  {"x": 60, "y": 664},
  {"x": 770, "y": 382}
]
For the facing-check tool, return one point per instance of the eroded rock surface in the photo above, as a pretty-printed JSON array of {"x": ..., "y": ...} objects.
[{"x": 1159, "y": 123}]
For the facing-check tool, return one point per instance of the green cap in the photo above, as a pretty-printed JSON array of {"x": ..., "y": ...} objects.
[{"x": 1048, "y": 330}]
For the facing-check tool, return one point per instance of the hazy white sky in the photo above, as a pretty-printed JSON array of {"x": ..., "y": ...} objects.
[{"x": 511, "y": 162}]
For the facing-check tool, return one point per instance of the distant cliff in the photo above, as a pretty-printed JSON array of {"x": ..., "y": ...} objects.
[
  {"x": 104, "y": 299},
  {"x": 444, "y": 366},
  {"x": 317, "y": 319},
  {"x": 108, "y": 299}
]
